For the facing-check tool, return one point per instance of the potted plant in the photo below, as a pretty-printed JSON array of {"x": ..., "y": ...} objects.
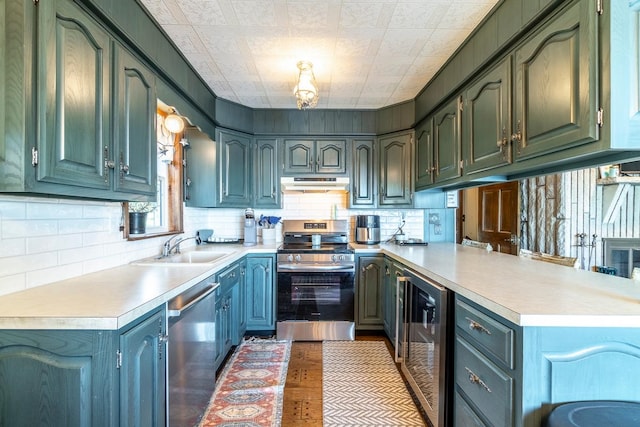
[{"x": 138, "y": 216}]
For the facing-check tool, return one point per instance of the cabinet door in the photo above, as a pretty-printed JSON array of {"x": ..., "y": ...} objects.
[
  {"x": 200, "y": 178},
  {"x": 557, "y": 84},
  {"x": 370, "y": 291},
  {"x": 298, "y": 156},
  {"x": 486, "y": 113},
  {"x": 240, "y": 316},
  {"x": 73, "y": 69},
  {"x": 331, "y": 156},
  {"x": 396, "y": 184},
  {"x": 57, "y": 378},
  {"x": 134, "y": 123},
  {"x": 266, "y": 176},
  {"x": 143, "y": 373},
  {"x": 363, "y": 174},
  {"x": 424, "y": 154},
  {"x": 260, "y": 293},
  {"x": 224, "y": 327},
  {"x": 392, "y": 272},
  {"x": 235, "y": 169},
  {"x": 446, "y": 137}
]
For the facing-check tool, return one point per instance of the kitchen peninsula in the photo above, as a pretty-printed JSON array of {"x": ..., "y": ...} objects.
[{"x": 562, "y": 334}]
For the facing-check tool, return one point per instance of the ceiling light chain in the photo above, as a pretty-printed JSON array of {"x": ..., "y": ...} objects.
[{"x": 306, "y": 91}]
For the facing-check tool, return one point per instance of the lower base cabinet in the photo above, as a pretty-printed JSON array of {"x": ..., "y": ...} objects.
[
  {"x": 260, "y": 301},
  {"x": 229, "y": 314},
  {"x": 85, "y": 377},
  {"x": 369, "y": 292}
]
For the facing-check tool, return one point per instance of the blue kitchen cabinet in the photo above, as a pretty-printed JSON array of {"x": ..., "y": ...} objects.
[
  {"x": 230, "y": 309},
  {"x": 369, "y": 292},
  {"x": 261, "y": 301},
  {"x": 364, "y": 174},
  {"x": 393, "y": 270},
  {"x": 93, "y": 377},
  {"x": 315, "y": 156},
  {"x": 143, "y": 373},
  {"x": 266, "y": 173},
  {"x": 234, "y": 169},
  {"x": 424, "y": 159},
  {"x": 79, "y": 118},
  {"x": 395, "y": 179}
]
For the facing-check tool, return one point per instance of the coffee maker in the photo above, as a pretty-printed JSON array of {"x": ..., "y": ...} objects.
[
  {"x": 368, "y": 229},
  {"x": 250, "y": 228}
]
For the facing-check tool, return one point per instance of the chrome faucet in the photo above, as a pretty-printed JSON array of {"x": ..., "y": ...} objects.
[{"x": 167, "y": 247}]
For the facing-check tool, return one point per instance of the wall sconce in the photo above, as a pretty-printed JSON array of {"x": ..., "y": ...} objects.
[
  {"x": 174, "y": 123},
  {"x": 306, "y": 91}
]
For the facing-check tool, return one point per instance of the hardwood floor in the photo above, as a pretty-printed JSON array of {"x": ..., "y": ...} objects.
[{"x": 302, "y": 405}]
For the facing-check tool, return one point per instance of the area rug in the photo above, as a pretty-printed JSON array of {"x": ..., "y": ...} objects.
[
  {"x": 362, "y": 387},
  {"x": 250, "y": 389}
]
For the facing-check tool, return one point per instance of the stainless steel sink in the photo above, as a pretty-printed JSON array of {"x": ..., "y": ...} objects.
[{"x": 186, "y": 258}]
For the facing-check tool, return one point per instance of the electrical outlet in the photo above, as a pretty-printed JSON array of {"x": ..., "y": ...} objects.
[{"x": 434, "y": 218}]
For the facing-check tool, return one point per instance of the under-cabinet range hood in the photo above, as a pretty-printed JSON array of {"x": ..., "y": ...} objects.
[{"x": 314, "y": 184}]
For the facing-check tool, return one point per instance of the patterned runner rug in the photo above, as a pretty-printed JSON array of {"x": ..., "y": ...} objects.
[
  {"x": 250, "y": 389},
  {"x": 362, "y": 386}
]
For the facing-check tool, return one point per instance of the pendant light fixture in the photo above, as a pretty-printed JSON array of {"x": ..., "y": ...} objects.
[{"x": 306, "y": 91}]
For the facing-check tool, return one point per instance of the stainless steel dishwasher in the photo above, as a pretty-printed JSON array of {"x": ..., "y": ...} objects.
[{"x": 192, "y": 371}]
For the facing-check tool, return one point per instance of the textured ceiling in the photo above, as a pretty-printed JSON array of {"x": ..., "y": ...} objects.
[{"x": 365, "y": 54}]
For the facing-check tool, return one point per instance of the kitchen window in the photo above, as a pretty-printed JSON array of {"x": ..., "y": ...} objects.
[{"x": 166, "y": 218}]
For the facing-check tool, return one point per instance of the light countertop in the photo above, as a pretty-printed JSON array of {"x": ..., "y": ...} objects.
[{"x": 522, "y": 290}]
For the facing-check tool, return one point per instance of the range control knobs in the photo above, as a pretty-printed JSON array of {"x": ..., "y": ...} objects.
[
  {"x": 298, "y": 258},
  {"x": 290, "y": 258}
]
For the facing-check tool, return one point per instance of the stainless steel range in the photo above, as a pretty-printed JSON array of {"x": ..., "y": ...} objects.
[{"x": 316, "y": 281}]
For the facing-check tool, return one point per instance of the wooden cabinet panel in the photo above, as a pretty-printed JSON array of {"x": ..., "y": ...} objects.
[
  {"x": 424, "y": 154},
  {"x": 266, "y": 175},
  {"x": 260, "y": 293},
  {"x": 370, "y": 290},
  {"x": 447, "y": 140},
  {"x": 363, "y": 174},
  {"x": 143, "y": 373},
  {"x": 487, "y": 120},
  {"x": 134, "y": 122},
  {"x": 234, "y": 169},
  {"x": 298, "y": 156},
  {"x": 557, "y": 84},
  {"x": 331, "y": 156},
  {"x": 396, "y": 178},
  {"x": 74, "y": 97},
  {"x": 322, "y": 156}
]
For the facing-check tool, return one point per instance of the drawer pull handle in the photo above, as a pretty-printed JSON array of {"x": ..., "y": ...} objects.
[
  {"x": 475, "y": 326},
  {"x": 474, "y": 379}
]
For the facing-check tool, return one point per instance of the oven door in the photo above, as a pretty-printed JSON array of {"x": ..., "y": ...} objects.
[{"x": 316, "y": 296}]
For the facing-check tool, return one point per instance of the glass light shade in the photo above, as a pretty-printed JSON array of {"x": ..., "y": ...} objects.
[
  {"x": 306, "y": 91},
  {"x": 174, "y": 123}
]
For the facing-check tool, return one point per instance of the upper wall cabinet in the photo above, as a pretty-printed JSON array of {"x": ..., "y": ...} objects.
[
  {"x": 395, "y": 174},
  {"x": 424, "y": 154},
  {"x": 364, "y": 175},
  {"x": 486, "y": 125},
  {"x": 556, "y": 84},
  {"x": 234, "y": 169},
  {"x": 447, "y": 140},
  {"x": 218, "y": 173},
  {"x": 82, "y": 116},
  {"x": 266, "y": 176},
  {"x": 320, "y": 156}
]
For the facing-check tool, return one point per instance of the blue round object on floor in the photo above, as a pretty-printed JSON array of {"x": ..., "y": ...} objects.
[{"x": 599, "y": 413}]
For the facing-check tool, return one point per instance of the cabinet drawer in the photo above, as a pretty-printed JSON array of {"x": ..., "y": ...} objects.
[
  {"x": 491, "y": 335},
  {"x": 464, "y": 416},
  {"x": 487, "y": 387},
  {"x": 229, "y": 277}
]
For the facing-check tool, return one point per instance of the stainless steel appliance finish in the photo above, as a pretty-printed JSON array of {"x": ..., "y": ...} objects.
[
  {"x": 368, "y": 229},
  {"x": 192, "y": 343},
  {"x": 316, "y": 283},
  {"x": 424, "y": 343}
]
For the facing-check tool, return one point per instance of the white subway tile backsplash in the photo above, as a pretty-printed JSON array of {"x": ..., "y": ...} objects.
[{"x": 46, "y": 240}]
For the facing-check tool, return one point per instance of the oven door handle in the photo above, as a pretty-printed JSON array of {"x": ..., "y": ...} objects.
[{"x": 310, "y": 268}]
